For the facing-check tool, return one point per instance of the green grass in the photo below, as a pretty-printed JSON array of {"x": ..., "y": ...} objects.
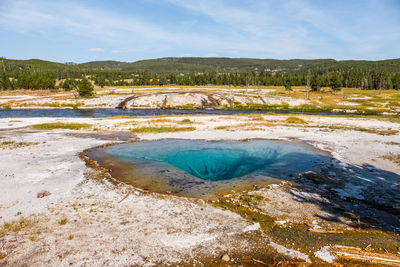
[
  {"x": 187, "y": 106},
  {"x": 252, "y": 106},
  {"x": 365, "y": 109},
  {"x": 292, "y": 119},
  {"x": 60, "y": 125},
  {"x": 185, "y": 121},
  {"x": 6, "y": 106},
  {"x": 64, "y": 105},
  {"x": 161, "y": 129},
  {"x": 252, "y": 198},
  {"x": 63, "y": 221}
]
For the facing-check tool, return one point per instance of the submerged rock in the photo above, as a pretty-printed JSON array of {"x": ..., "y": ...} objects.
[
  {"x": 313, "y": 176},
  {"x": 325, "y": 254}
]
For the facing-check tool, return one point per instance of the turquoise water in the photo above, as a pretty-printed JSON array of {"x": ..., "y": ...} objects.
[
  {"x": 214, "y": 161},
  {"x": 205, "y": 160},
  {"x": 206, "y": 168},
  {"x": 217, "y": 163}
]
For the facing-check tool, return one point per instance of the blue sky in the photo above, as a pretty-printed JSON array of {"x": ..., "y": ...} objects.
[{"x": 80, "y": 31}]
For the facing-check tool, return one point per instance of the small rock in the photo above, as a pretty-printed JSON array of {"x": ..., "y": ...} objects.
[
  {"x": 333, "y": 174},
  {"x": 43, "y": 193},
  {"x": 313, "y": 176},
  {"x": 225, "y": 257}
]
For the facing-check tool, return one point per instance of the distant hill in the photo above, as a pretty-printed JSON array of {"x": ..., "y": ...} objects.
[
  {"x": 34, "y": 63},
  {"x": 194, "y": 64},
  {"x": 217, "y": 64}
]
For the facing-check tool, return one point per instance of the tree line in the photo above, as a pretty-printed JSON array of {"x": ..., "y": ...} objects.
[
  {"x": 335, "y": 80},
  {"x": 45, "y": 77}
]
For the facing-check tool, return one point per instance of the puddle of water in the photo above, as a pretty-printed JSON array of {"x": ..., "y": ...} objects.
[{"x": 204, "y": 168}]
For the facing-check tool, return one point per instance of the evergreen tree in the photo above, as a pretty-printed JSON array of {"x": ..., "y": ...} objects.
[
  {"x": 5, "y": 83},
  {"x": 85, "y": 88},
  {"x": 68, "y": 84},
  {"x": 396, "y": 81},
  {"x": 335, "y": 81},
  {"x": 315, "y": 82},
  {"x": 288, "y": 84}
]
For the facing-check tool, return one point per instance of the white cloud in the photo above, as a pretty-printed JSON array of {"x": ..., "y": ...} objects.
[
  {"x": 75, "y": 18},
  {"x": 96, "y": 50},
  {"x": 274, "y": 29},
  {"x": 252, "y": 26}
]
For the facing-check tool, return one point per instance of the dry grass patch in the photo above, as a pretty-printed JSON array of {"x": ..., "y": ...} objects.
[
  {"x": 386, "y": 132},
  {"x": 119, "y": 117},
  {"x": 256, "y": 117},
  {"x": 393, "y": 157},
  {"x": 160, "y": 120},
  {"x": 223, "y": 127},
  {"x": 18, "y": 225},
  {"x": 359, "y": 129},
  {"x": 53, "y": 105},
  {"x": 60, "y": 125},
  {"x": 244, "y": 127},
  {"x": 5, "y": 106},
  {"x": 293, "y": 119},
  {"x": 369, "y": 130},
  {"x": 186, "y": 121},
  {"x": 126, "y": 123},
  {"x": 14, "y": 145},
  {"x": 161, "y": 129},
  {"x": 393, "y": 143}
]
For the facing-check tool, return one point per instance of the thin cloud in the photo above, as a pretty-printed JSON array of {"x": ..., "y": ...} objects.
[
  {"x": 75, "y": 18},
  {"x": 267, "y": 29},
  {"x": 96, "y": 50}
]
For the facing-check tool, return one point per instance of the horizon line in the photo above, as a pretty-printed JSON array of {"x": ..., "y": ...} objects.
[{"x": 198, "y": 57}]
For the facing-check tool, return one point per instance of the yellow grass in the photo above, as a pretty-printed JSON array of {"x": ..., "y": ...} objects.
[
  {"x": 161, "y": 129},
  {"x": 60, "y": 125}
]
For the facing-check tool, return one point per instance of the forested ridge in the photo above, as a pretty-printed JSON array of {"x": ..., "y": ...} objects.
[{"x": 40, "y": 74}]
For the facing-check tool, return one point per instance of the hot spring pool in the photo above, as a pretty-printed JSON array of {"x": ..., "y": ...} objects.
[{"x": 203, "y": 168}]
